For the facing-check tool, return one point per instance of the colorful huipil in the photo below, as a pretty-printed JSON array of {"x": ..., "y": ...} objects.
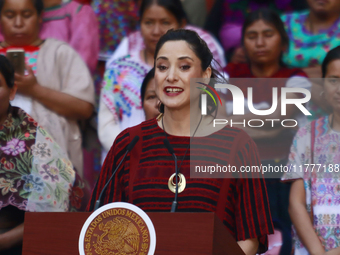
[
  {"x": 307, "y": 49},
  {"x": 117, "y": 18},
  {"x": 35, "y": 174},
  {"x": 121, "y": 90},
  {"x": 322, "y": 185}
]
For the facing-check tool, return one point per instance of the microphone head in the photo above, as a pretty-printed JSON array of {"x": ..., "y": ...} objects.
[
  {"x": 168, "y": 146},
  {"x": 133, "y": 143}
]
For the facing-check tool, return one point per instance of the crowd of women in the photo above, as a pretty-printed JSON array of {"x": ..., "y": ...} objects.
[{"x": 145, "y": 91}]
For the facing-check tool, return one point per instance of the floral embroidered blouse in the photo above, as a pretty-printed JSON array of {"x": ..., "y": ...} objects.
[
  {"x": 35, "y": 174},
  {"x": 120, "y": 99},
  {"x": 306, "y": 49},
  {"x": 322, "y": 184}
]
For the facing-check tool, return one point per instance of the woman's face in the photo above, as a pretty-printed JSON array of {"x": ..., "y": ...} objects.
[
  {"x": 20, "y": 22},
  {"x": 175, "y": 65},
  {"x": 6, "y": 94},
  {"x": 262, "y": 43},
  {"x": 324, "y": 7},
  {"x": 332, "y": 85},
  {"x": 151, "y": 101},
  {"x": 155, "y": 22}
]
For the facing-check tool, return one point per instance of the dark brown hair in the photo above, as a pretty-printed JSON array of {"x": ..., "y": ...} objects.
[
  {"x": 201, "y": 50},
  {"x": 271, "y": 17},
  {"x": 7, "y": 71},
  {"x": 333, "y": 54},
  {"x": 38, "y": 4},
  {"x": 173, "y": 6}
]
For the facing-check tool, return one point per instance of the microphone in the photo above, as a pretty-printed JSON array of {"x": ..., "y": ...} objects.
[
  {"x": 128, "y": 149},
  {"x": 169, "y": 147},
  {"x": 132, "y": 143},
  {"x": 172, "y": 152}
]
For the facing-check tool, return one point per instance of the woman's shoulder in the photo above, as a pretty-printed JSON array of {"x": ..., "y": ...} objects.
[
  {"x": 205, "y": 35},
  {"x": 56, "y": 47},
  {"x": 54, "y": 42},
  {"x": 287, "y": 72},
  {"x": 134, "y": 36},
  {"x": 145, "y": 128},
  {"x": 322, "y": 121},
  {"x": 129, "y": 61},
  {"x": 39, "y": 161},
  {"x": 294, "y": 15},
  {"x": 237, "y": 136},
  {"x": 128, "y": 66},
  {"x": 322, "y": 126},
  {"x": 239, "y": 70},
  {"x": 319, "y": 127},
  {"x": 24, "y": 127},
  {"x": 20, "y": 118},
  {"x": 124, "y": 60}
]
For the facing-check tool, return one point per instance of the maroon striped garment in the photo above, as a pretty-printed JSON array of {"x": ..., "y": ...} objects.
[{"x": 242, "y": 204}]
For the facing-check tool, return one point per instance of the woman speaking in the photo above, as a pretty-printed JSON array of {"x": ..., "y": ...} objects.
[{"x": 143, "y": 179}]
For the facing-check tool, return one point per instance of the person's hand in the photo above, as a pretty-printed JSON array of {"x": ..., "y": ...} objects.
[
  {"x": 238, "y": 56},
  {"x": 26, "y": 83}
]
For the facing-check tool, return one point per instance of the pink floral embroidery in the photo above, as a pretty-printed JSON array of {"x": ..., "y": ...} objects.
[{"x": 14, "y": 147}]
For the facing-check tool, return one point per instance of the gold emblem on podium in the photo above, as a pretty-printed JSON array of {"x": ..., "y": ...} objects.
[
  {"x": 117, "y": 231},
  {"x": 118, "y": 234}
]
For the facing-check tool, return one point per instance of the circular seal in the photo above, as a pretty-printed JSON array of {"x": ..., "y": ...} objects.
[{"x": 118, "y": 229}]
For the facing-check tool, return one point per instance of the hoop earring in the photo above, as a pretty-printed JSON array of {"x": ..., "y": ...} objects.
[
  {"x": 161, "y": 107},
  {"x": 161, "y": 110},
  {"x": 158, "y": 118}
]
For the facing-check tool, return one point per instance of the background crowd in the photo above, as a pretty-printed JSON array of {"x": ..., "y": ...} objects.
[{"x": 90, "y": 75}]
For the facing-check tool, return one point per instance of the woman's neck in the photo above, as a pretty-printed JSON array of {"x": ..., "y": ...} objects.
[
  {"x": 147, "y": 57},
  {"x": 335, "y": 121},
  {"x": 36, "y": 42},
  {"x": 176, "y": 122},
  {"x": 264, "y": 70},
  {"x": 51, "y": 3},
  {"x": 316, "y": 22},
  {"x": 183, "y": 122}
]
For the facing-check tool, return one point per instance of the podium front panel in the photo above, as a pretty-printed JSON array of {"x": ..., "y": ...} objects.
[{"x": 176, "y": 233}]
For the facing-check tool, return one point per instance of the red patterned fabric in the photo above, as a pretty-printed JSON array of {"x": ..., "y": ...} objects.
[
  {"x": 84, "y": 1},
  {"x": 241, "y": 204},
  {"x": 243, "y": 71}
]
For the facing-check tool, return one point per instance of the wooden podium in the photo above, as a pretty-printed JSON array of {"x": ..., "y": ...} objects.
[{"x": 176, "y": 233}]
